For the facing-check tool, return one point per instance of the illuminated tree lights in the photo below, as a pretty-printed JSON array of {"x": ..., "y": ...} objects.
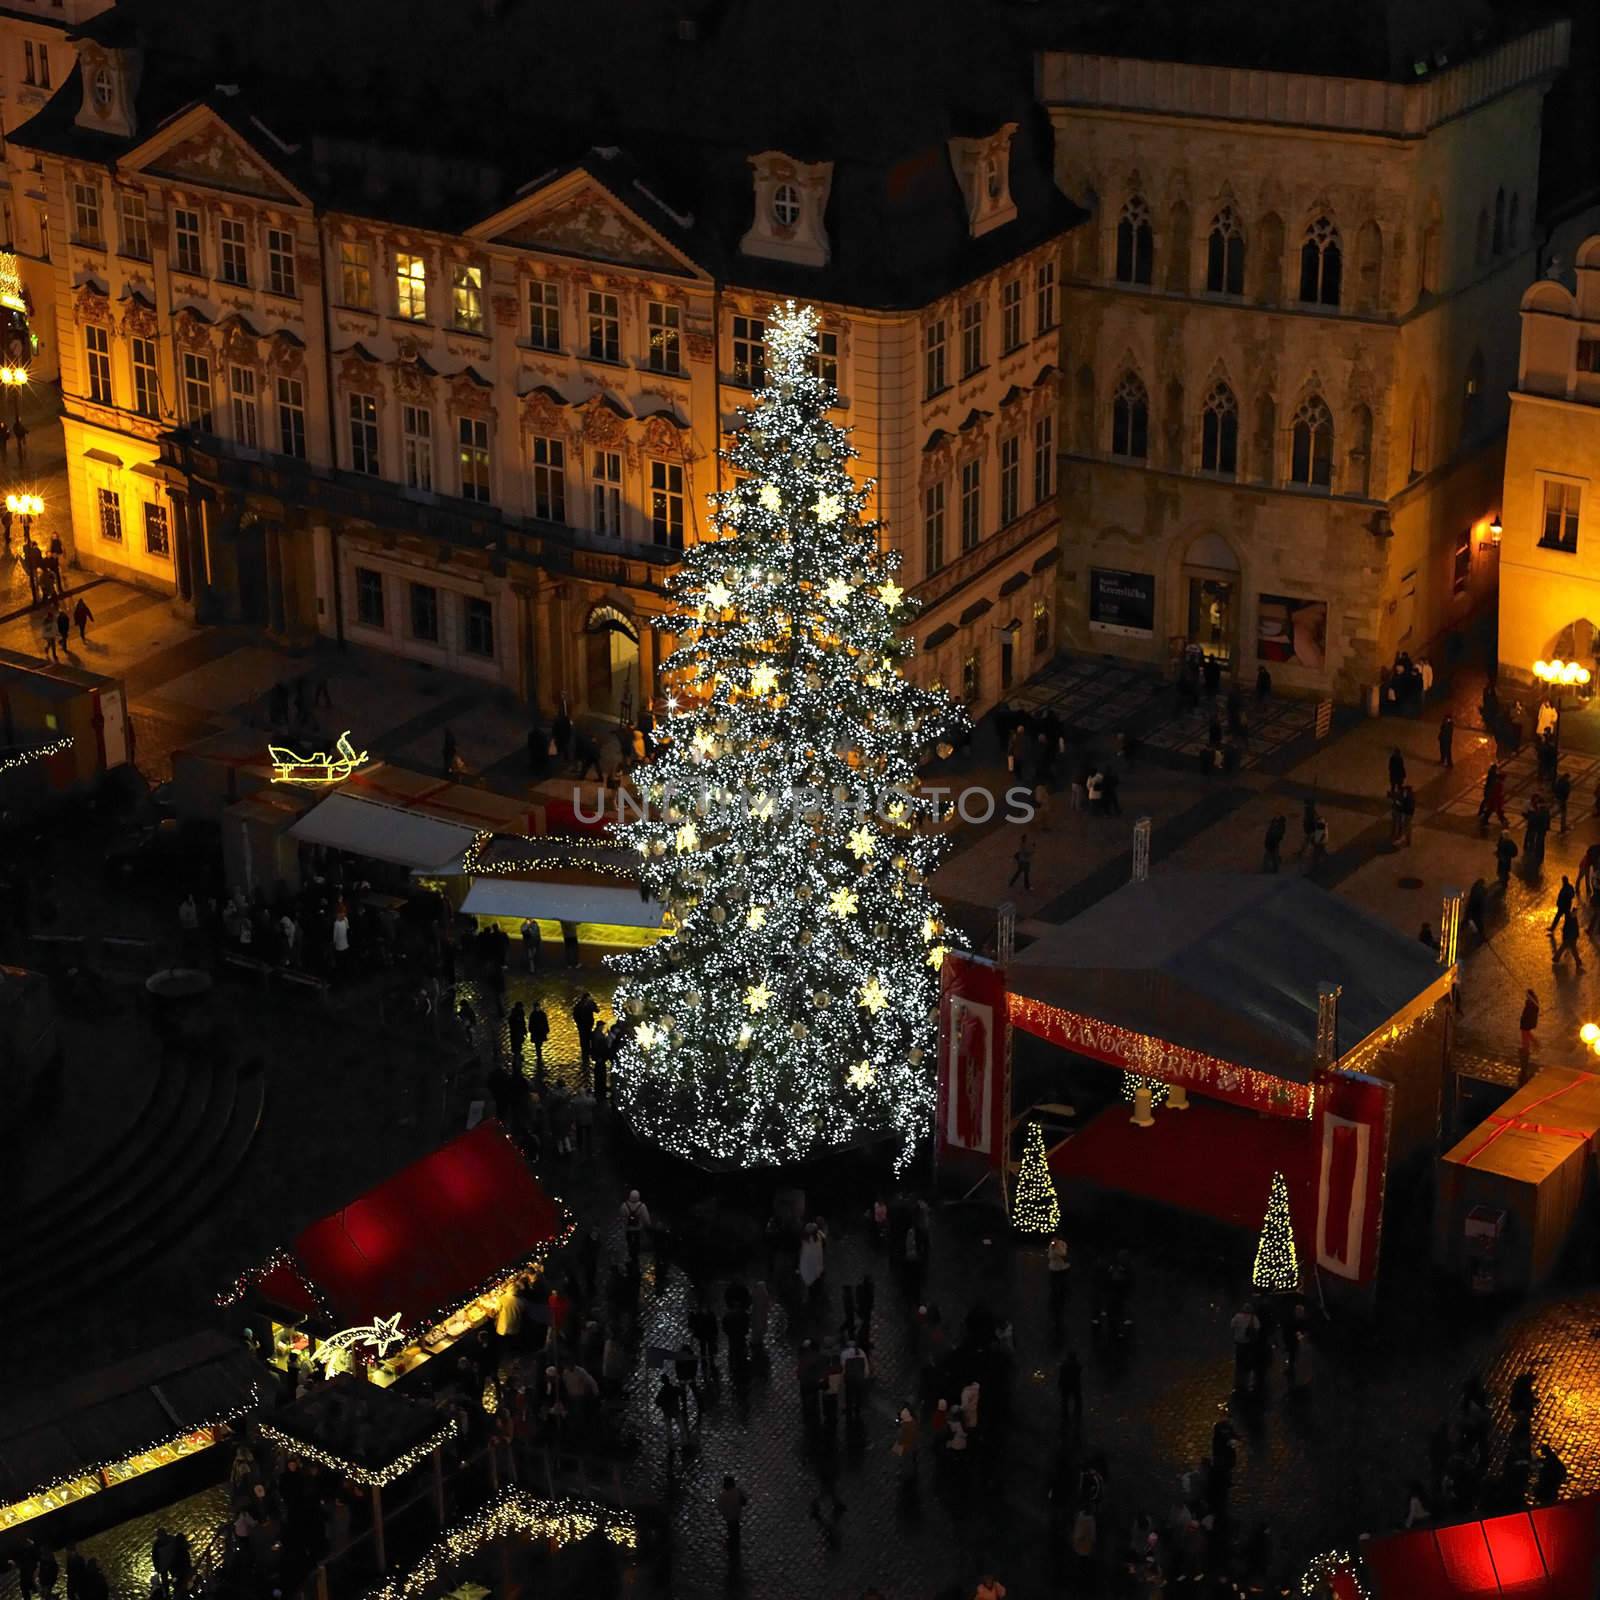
[
  {"x": 1034, "y": 1206},
  {"x": 1277, "y": 1268},
  {"x": 1334, "y": 1575},
  {"x": 785, "y": 829}
]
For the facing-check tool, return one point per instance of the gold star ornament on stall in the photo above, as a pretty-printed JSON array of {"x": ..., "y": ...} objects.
[
  {"x": 873, "y": 995},
  {"x": 757, "y": 997}
]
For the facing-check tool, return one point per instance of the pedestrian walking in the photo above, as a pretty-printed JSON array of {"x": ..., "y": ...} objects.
[
  {"x": 50, "y": 637},
  {"x": 1505, "y": 852},
  {"x": 1447, "y": 739},
  {"x": 1272, "y": 857},
  {"x": 635, "y": 1219},
  {"x": 1477, "y": 905},
  {"x": 1245, "y": 1329},
  {"x": 1493, "y": 802},
  {"x": 857, "y": 1370},
  {"x": 731, "y": 1501},
  {"x": 908, "y": 1434},
  {"x": 813, "y": 1261},
  {"x": 63, "y": 626},
  {"x": 1562, "y": 790},
  {"x": 82, "y": 616},
  {"x": 517, "y": 1032},
  {"x": 1408, "y": 812},
  {"x": 1528, "y": 1024},
  {"x": 1564, "y": 898},
  {"x": 538, "y": 1032},
  {"x": 1569, "y": 942},
  {"x": 531, "y": 940},
  {"x": 1263, "y": 685},
  {"x": 1023, "y": 856},
  {"x": 1397, "y": 768},
  {"x": 1308, "y": 825},
  {"x": 1056, "y": 1268}
]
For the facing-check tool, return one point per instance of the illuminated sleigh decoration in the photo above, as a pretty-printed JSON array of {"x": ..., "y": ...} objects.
[{"x": 287, "y": 767}]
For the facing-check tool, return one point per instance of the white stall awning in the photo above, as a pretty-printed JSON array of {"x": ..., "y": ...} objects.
[
  {"x": 385, "y": 833},
  {"x": 616, "y": 907}
]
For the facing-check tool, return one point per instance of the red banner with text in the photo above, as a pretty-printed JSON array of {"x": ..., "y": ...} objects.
[
  {"x": 974, "y": 1111},
  {"x": 1353, "y": 1113}
]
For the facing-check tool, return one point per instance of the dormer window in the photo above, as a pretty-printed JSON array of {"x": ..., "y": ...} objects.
[
  {"x": 983, "y": 169},
  {"x": 791, "y": 203}
]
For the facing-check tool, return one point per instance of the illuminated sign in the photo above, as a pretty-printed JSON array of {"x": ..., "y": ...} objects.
[
  {"x": 380, "y": 1333},
  {"x": 11, "y": 283},
  {"x": 287, "y": 767}
]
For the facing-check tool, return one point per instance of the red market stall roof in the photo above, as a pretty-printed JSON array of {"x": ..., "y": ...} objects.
[
  {"x": 424, "y": 1242},
  {"x": 1551, "y": 1553}
]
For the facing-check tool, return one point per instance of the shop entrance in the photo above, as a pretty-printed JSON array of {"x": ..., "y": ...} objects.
[
  {"x": 1211, "y": 616},
  {"x": 611, "y": 648}
]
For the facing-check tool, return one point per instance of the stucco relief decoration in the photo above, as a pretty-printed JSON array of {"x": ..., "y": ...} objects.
[
  {"x": 469, "y": 393},
  {"x": 240, "y": 342},
  {"x": 91, "y": 304},
  {"x": 664, "y": 436},
  {"x": 358, "y": 370},
  {"x": 139, "y": 318},
  {"x": 285, "y": 353},
  {"x": 589, "y": 225},
  {"x": 506, "y": 310},
  {"x": 215, "y": 159},
  {"x": 700, "y": 346},
  {"x": 191, "y": 330},
  {"x": 599, "y": 425},
  {"x": 937, "y": 459},
  {"x": 413, "y": 378},
  {"x": 541, "y": 413}
]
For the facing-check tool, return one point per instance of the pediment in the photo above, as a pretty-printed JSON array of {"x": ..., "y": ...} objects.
[
  {"x": 203, "y": 151},
  {"x": 589, "y": 224}
]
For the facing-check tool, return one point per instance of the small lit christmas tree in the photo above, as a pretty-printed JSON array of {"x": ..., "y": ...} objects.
[
  {"x": 1034, "y": 1206},
  {"x": 792, "y": 1007},
  {"x": 1277, "y": 1268}
]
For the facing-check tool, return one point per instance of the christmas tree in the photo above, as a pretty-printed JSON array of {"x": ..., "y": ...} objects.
[
  {"x": 1034, "y": 1206},
  {"x": 1277, "y": 1269},
  {"x": 793, "y": 1006}
]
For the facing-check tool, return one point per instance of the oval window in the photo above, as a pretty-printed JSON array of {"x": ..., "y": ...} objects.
[{"x": 786, "y": 205}]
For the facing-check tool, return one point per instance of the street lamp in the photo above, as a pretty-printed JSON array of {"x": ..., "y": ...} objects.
[
  {"x": 1589, "y": 1033},
  {"x": 26, "y": 506},
  {"x": 15, "y": 379},
  {"x": 1559, "y": 675}
]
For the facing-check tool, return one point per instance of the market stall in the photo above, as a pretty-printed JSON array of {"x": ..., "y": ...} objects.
[
  {"x": 400, "y": 1274},
  {"x": 1510, "y": 1191},
  {"x": 104, "y": 1430}
]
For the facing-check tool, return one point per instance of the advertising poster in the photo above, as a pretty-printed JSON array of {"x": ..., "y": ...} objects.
[
  {"x": 1122, "y": 602},
  {"x": 1292, "y": 631}
]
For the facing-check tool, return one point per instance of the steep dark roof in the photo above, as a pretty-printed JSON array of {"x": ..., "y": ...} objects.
[{"x": 348, "y": 102}]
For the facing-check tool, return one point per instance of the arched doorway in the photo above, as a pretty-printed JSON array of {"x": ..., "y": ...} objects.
[
  {"x": 1212, "y": 597},
  {"x": 611, "y": 646}
]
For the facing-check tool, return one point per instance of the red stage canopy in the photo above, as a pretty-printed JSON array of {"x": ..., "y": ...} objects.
[
  {"x": 1552, "y": 1553},
  {"x": 424, "y": 1242}
]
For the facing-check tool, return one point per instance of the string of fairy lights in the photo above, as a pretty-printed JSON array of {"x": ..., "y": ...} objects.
[
  {"x": 794, "y": 1007},
  {"x": 358, "y": 1472},
  {"x": 1323, "y": 1571},
  {"x": 39, "y": 752},
  {"x": 573, "y": 854},
  {"x": 1035, "y": 1206}
]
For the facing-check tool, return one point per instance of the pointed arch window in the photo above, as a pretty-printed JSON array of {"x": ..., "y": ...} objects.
[
  {"x": 1219, "y": 432},
  {"x": 1225, "y": 254},
  {"x": 1499, "y": 242},
  {"x": 1135, "y": 242},
  {"x": 1311, "y": 445},
  {"x": 1321, "y": 264},
  {"x": 1130, "y": 419}
]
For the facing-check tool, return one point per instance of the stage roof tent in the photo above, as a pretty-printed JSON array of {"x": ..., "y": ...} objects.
[
  {"x": 1229, "y": 963},
  {"x": 425, "y": 1241},
  {"x": 383, "y": 832},
  {"x": 568, "y": 899}
]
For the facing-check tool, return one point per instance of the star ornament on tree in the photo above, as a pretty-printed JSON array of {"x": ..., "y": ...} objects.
[
  {"x": 862, "y": 1075},
  {"x": 687, "y": 838},
  {"x": 718, "y": 596},
  {"x": 891, "y": 594},
  {"x": 757, "y": 997},
  {"x": 873, "y": 995},
  {"x": 863, "y": 843},
  {"x": 770, "y": 499},
  {"x": 763, "y": 680},
  {"x": 646, "y": 1034},
  {"x": 843, "y": 903},
  {"x": 758, "y": 917},
  {"x": 837, "y": 593},
  {"x": 829, "y": 508}
]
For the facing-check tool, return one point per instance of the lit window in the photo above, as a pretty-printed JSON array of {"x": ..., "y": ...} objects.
[
  {"x": 135, "y": 227},
  {"x": 197, "y": 391},
  {"x": 550, "y": 479},
  {"x": 666, "y": 504},
  {"x": 605, "y": 467},
  {"x": 1135, "y": 242},
  {"x": 1311, "y": 453},
  {"x": 97, "y": 346},
  {"x": 233, "y": 261},
  {"x": 786, "y": 205},
  {"x": 664, "y": 333},
  {"x": 1219, "y": 432},
  {"x": 1562, "y": 504},
  {"x": 1225, "y": 254},
  {"x": 605, "y": 327},
  {"x": 749, "y": 352},
  {"x": 1041, "y": 628},
  {"x": 544, "y": 314},
  {"x": 1044, "y": 458},
  {"x": 363, "y": 417},
  {"x": 30, "y": 73},
  {"x": 146, "y": 377},
  {"x": 1321, "y": 264},
  {"x": 280, "y": 262},
  {"x": 187, "y": 254},
  {"x": 477, "y": 632},
  {"x": 369, "y": 597},
  {"x": 410, "y": 287},
  {"x": 355, "y": 274},
  {"x": 971, "y": 679},
  {"x": 971, "y": 504},
  {"x": 416, "y": 446},
  {"x": 971, "y": 337},
  {"x": 823, "y": 362},
  {"x": 292, "y": 418},
  {"x": 242, "y": 395},
  {"x": 1130, "y": 419},
  {"x": 472, "y": 434},
  {"x": 1044, "y": 298},
  {"x": 933, "y": 528},
  {"x": 109, "y": 505},
  {"x": 86, "y": 213},
  {"x": 157, "y": 530},
  {"x": 1010, "y": 479},
  {"x": 466, "y": 298},
  {"x": 933, "y": 348},
  {"x": 1011, "y": 315},
  {"x": 425, "y": 613}
]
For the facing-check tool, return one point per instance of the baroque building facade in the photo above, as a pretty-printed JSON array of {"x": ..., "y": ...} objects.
[
  {"x": 1288, "y": 345},
  {"x": 1550, "y": 549},
  {"x": 412, "y": 403}
]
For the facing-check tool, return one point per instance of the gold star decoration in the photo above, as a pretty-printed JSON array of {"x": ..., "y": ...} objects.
[
  {"x": 705, "y": 742},
  {"x": 843, "y": 903},
  {"x": 873, "y": 995},
  {"x": 645, "y": 1035},
  {"x": 385, "y": 1332},
  {"x": 897, "y": 809},
  {"x": 757, "y": 996},
  {"x": 758, "y": 916},
  {"x": 929, "y": 928},
  {"x": 687, "y": 838},
  {"x": 891, "y": 594},
  {"x": 770, "y": 499},
  {"x": 936, "y": 956},
  {"x": 763, "y": 680},
  {"x": 837, "y": 593},
  {"x": 829, "y": 508},
  {"x": 718, "y": 596},
  {"x": 861, "y": 1075},
  {"x": 863, "y": 842}
]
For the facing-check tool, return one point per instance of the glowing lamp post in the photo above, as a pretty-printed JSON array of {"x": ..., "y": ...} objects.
[
  {"x": 15, "y": 379},
  {"x": 26, "y": 506},
  {"x": 1589, "y": 1033},
  {"x": 1558, "y": 675}
]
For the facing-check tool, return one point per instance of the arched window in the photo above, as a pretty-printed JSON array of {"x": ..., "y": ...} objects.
[
  {"x": 1225, "y": 254},
  {"x": 1219, "y": 432},
  {"x": 1421, "y": 434},
  {"x": 1499, "y": 243},
  {"x": 1480, "y": 249},
  {"x": 1321, "y": 264},
  {"x": 1130, "y": 419},
  {"x": 1430, "y": 260},
  {"x": 1311, "y": 451},
  {"x": 1472, "y": 399},
  {"x": 1264, "y": 446},
  {"x": 1135, "y": 243},
  {"x": 1369, "y": 266},
  {"x": 1514, "y": 223}
]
